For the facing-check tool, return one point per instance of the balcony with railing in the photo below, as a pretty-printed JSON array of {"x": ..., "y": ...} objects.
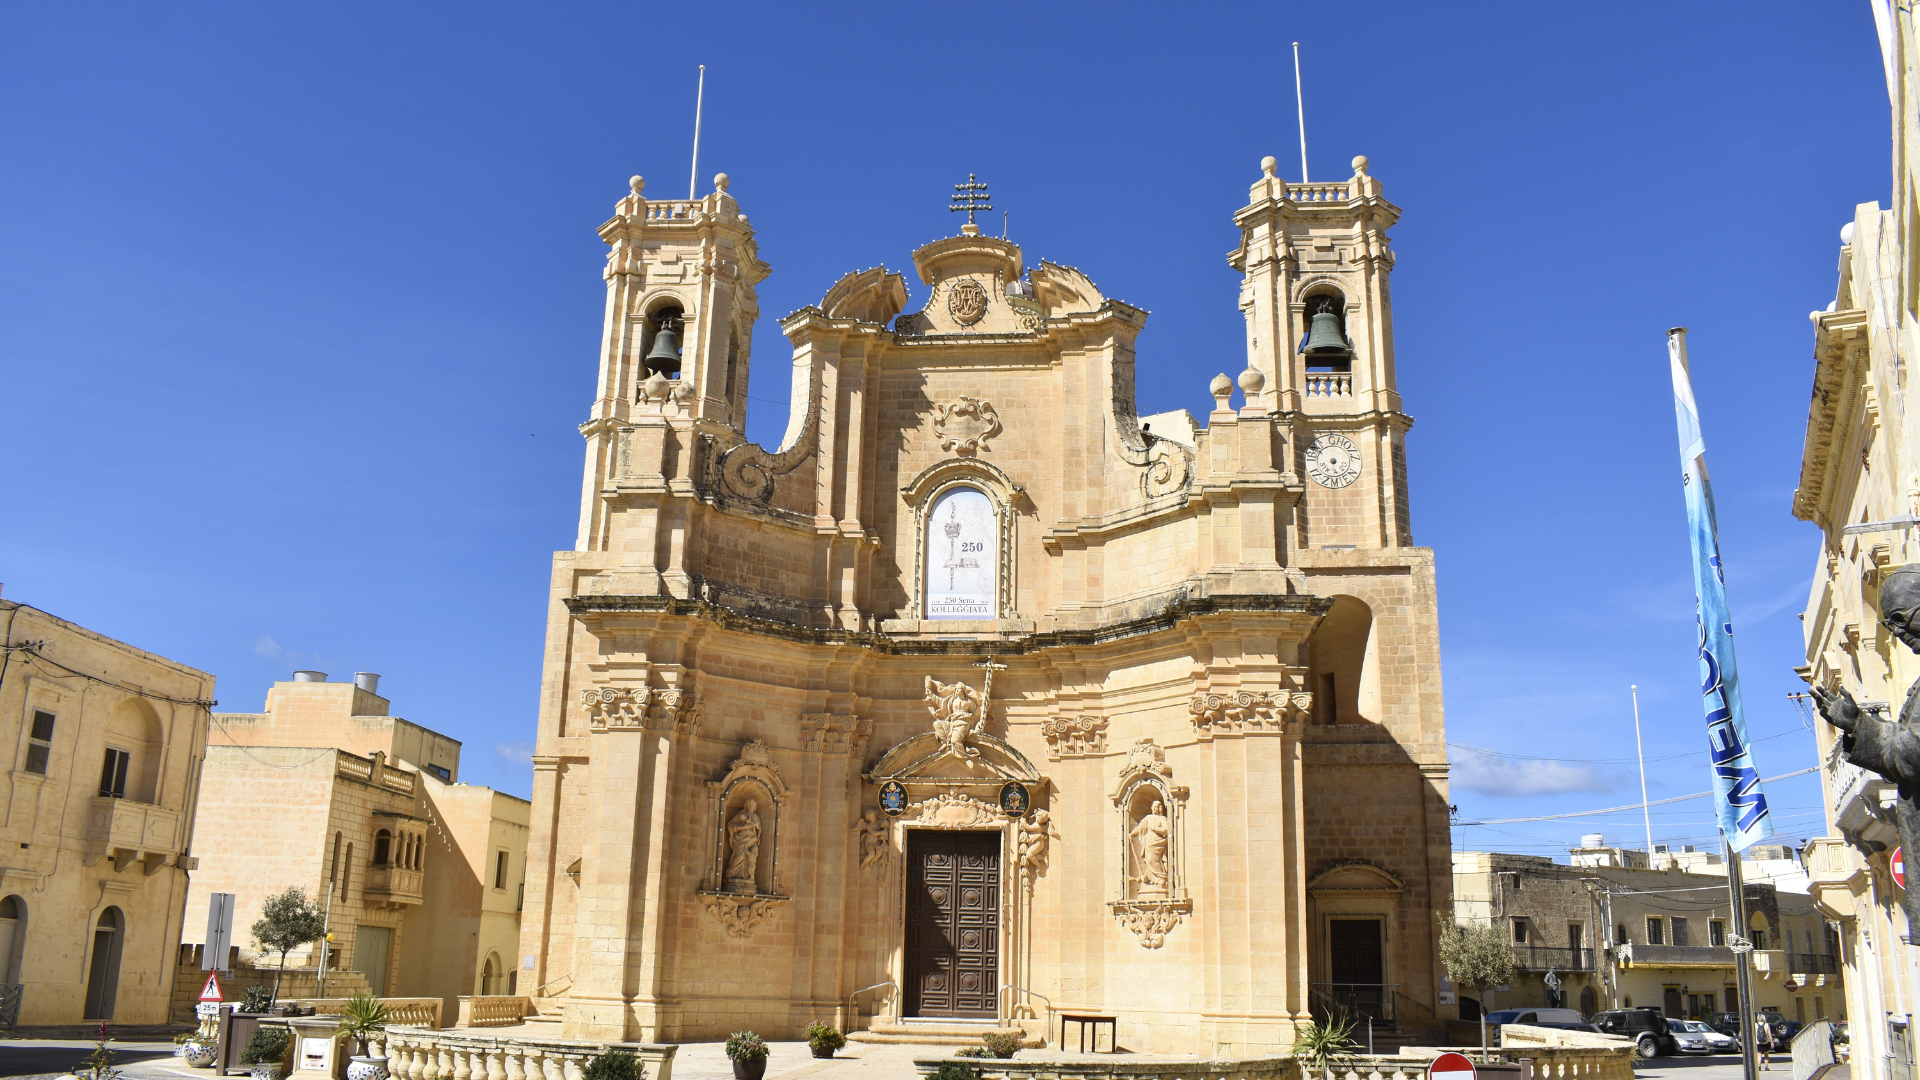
[
  {"x": 392, "y": 887},
  {"x": 1552, "y": 958},
  {"x": 129, "y": 830},
  {"x": 1676, "y": 956}
]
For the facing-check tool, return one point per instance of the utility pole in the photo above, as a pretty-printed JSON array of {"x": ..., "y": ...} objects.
[{"x": 1743, "y": 959}]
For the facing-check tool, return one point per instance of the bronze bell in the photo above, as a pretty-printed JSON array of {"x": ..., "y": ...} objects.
[
  {"x": 664, "y": 357},
  {"x": 1324, "y": 336}
]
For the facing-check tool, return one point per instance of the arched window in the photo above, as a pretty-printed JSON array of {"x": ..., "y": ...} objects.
[
  {"x": 1341, "y": 669},
  {"x": 382, "y": 847},
  {"x": 103, "y": 967},
  {"x": 13, "y": 937},
  {"x": 134, "y": 741},
  {"x": 962, "y": 556}
]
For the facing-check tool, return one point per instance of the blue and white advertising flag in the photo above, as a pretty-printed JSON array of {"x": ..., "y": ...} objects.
[{"x": 1737, "y": 799}]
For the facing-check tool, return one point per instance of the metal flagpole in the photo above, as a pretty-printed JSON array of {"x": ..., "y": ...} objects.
[
  {"x": 1743, "y": 959},
  {"x": 699, "y": 99},
  {"x": 1300, "y": 104},
  {"x": 1641, "y": 752}
]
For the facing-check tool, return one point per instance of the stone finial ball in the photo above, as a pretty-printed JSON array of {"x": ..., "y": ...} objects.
[
  {"x": 720, "y": 181},
  {"x": 638, "y": 184},
  {"x": 1268, "y": 164},
  {"x": 1360, "y": 165},
  {"x": 1251, "y": 382},
  {"x": 1221, "y": 386}
]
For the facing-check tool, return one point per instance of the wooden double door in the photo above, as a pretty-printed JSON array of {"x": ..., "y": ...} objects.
[{"x": 953, "y": 923}]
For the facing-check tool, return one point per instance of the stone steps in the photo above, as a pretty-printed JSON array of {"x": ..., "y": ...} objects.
[{"x": 939, "y": 1034}]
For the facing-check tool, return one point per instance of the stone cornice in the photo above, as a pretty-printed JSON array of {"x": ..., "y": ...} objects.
[
  {"x": 1839, "y": 344},
  {"x": 593, "y": 607}
]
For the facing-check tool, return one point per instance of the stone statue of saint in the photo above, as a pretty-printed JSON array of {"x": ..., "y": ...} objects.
[
  {"x": 1890, "y": 749},
  {"x": 873, "y": 839},
  {"x": 743, "y": 849},
  {"x": 958, "y": 711},
  {"x": 1150, "y": 838}
]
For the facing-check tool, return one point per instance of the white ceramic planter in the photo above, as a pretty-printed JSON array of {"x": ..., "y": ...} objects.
[{"x": 367, "y": 1068}]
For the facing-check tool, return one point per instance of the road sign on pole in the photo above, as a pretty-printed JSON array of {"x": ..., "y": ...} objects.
[
  {"x": 211, "y": 991},
  {"x": 219, "y": 932},
  {"x": 1898, "y": 864},
  {"x": 1451, "y": 1066}
]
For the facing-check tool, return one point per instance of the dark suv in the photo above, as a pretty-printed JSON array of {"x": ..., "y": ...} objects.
[{"x": 1645, "y": 1026}]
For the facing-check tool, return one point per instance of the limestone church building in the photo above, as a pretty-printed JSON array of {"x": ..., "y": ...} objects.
[{"x": 982, "y": 696}]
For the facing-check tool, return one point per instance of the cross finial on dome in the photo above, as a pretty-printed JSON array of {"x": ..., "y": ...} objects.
[{"x": 972, "y": 197}]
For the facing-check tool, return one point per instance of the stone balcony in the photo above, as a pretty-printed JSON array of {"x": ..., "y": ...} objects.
[
  {"x": 127, "y": 831},
  {"x": 392, "y": 887}
]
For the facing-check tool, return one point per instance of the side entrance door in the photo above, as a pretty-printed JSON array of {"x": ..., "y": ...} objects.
[
  {"x": 1353, "y": 954},
  {"x": 953, "y": 923}
]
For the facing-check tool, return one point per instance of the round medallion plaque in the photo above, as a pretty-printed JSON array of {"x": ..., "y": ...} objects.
[{"x": 967, "y": 301}]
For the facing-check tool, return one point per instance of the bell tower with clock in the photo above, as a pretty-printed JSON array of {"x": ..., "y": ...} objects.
[{"x": 1314, "y": 262}]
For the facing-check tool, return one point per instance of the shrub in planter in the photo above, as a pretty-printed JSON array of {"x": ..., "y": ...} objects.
[
  {"x": 266, "y": 1052},
  {"x": 748, "y": 1052},
  {"x": 953, "y": 1070},
  {"x": 614, "y": 1065},
  {"x": 823, "y": 1039},
  {"x": 999, "y": 1044},
  {"x": 973, "y": 1052},
  {"x": 257, "y": 999}
]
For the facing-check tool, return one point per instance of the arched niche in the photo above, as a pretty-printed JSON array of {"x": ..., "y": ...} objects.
[
  {"x": 747, "y": 803},
  {"x": 1343, "y": 670},
  {"x": 1151, "y": 809},
  {"x": 133, "y": 728},
  {"x": 963, "y": 541}
]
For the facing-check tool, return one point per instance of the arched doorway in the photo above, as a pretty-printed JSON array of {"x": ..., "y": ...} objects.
[
  {"x": 490, "y": 975},
  {"x": 1589, "y": 1002},
  {"x": 103, "y": 969},
  {"x": 13, "y": 937}
]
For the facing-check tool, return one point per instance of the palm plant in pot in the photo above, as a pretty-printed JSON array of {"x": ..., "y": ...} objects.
[
  {"x": 748, "y": 1052},
  {"x": 364, "y": 1017},
  {"x": 824, "y": 1039}
]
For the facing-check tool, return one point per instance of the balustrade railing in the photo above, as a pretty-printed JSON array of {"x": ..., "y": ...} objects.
[
  {"x": 671, "y": 210},
  {"x": 1329, "y": 384},
  {"x": 1552, "y": 958},
  {"x": 493, "y": 1010},
  {"x": 414, "y": 1054},
  {"x": 414, "y": 1012},
  {"x": 1317, "y": 193}
]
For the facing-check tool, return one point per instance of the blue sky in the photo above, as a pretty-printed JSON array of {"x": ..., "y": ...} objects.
[{"x": 299, "y": 306}]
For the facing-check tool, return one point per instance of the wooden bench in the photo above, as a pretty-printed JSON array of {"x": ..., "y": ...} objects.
[{"x": 1083, "y": 1019}]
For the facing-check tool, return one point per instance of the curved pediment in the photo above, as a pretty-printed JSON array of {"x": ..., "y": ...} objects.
[
  {"x": 925, "y": 758},
  {"x": 1356, "y": 876}
]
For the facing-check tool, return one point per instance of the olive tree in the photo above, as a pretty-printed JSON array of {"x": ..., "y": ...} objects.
[
  {"x": 288, "y": 921},
  {"x": 1476, "y": 955}
]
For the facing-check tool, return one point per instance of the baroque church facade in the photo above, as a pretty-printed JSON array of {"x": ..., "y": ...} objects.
[{"x": 983, "y": 697}]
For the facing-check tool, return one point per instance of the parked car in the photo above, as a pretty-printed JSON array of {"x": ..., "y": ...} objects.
[
  {"x": 1842, "y": 1042},
  {"x": 1726, "y": 1023},
  {"x": 1695, "y": 1037},
  {"x": 1646, "y": 1026},
  {"x": 1536, "y": 1016},
  {"x": 1593, "y": 1029},
  {"x": 1783, "y": 1033}
]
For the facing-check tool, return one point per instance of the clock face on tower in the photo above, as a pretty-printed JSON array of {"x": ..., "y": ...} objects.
[{"x": 1333, "y": 461}]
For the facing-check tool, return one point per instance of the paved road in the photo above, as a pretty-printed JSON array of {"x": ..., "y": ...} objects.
[{"x": 45, "y": 1057}]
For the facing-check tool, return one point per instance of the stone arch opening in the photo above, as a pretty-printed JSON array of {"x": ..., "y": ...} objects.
[
  {"x": 13, "y": 937},
  {"x": 103, "y": 967},
  {"x": 134, "y": 741},
  {"x": 1343, "y": 668},
  {"x": 1325, "y": 298},
  {"x": 382, "y": 847}
]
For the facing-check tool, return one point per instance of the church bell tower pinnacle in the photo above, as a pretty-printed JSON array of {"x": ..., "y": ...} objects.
[{"x": 1314, "y": 264}]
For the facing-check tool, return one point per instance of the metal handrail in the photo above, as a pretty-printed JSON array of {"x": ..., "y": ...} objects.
[
  {"x": 853, "y": 1006},
  {"x": 1030, "y": 993},
  {"x": 536, "y": 990}
]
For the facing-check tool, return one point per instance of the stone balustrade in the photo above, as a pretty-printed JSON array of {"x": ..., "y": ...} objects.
[
  {"x": 493, "y": 1010},
  {"x": 1318, "y": 192},
  {"x": 1329, "y": 384},
  {"x": 1553, "y": 1054},
  {"x": 1049, "y": 1067},
  {"x": 422, "y": 1054},
  {"x": 416, "y": 1012}
]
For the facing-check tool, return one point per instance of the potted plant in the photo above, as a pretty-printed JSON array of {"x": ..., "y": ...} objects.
[
  {"x": 266, "y": 1052},
  {"x": 194, "y": 1049},
  {"x": 364, "y": 1017},
  {"x": 1000, "y": 1044},
  {"x": 748, "y": 1052},
  {"x": 824, "y": 1040}
]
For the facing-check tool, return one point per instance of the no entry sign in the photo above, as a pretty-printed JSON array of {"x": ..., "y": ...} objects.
[
  {"x": 1451, "y": 1067},
  {"x": 1898, "y": 864}
]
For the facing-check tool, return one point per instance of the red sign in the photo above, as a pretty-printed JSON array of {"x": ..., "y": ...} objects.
[
  {"x": 1898, "y": 865},
  {"x": 211, "y": 992},
  {"x": 1451, "y": 1067}
]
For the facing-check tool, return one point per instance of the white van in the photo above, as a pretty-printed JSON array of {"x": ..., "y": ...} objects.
[{"x": 1536, "y": 1016}]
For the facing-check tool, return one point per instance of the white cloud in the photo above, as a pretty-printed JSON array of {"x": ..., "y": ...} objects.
[
  {"x": 273, "y": 650},
  {"x": 1486, "y": 775},
  {"x": 520, "y": 753}
]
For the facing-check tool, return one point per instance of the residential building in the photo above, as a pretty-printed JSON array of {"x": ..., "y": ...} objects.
[
  {"x": 421, "y": 875},
  {"x": 1860, "y": 483},
  {"x": 108, "y": 742},
  {"x": 1145, "y": 715},
  {"x": 1615, "y": 933}
]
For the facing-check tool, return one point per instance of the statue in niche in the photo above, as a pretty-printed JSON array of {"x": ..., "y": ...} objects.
[
  {"x": 1150, "y": 839},
  {"x": 958, "y": 711},
  {"x": 743, "y": 849},
  {"x": 873, "y": 839}
]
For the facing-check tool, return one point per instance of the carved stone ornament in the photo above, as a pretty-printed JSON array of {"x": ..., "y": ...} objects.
[
  {"x": 958, "y": 711},
  {"x": 1035, "y": 836},
  {"x": 966, "y": 301},
  {"x": 1151, "y": 920},
  {"x": 617, "y": 708},
  {"x": 742, "y": 914},
  {"x": 755, "y": 753},
  {"x": 825, "y": 733},
  {"x": 1167, "y": 470},
  {"x": 964, "y": 426},
  {"x": 1075, "y": 736},
  {"x": 1248, "y": 710},
  {"x": 952, "y": 810}
]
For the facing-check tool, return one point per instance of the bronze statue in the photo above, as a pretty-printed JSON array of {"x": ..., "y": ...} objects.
[{"x": 1891, "y": 749}]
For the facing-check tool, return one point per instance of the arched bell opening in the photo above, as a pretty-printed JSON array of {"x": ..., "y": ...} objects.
[
  {"x": 665, "y": 339},
  {"x": 1326, "y": 345}
]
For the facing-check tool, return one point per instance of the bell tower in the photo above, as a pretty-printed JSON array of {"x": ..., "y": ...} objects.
[{"x": 1314, "y": 264}]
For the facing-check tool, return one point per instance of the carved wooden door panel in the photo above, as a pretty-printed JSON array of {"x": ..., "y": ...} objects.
[{"x": 953, "y": 923}]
